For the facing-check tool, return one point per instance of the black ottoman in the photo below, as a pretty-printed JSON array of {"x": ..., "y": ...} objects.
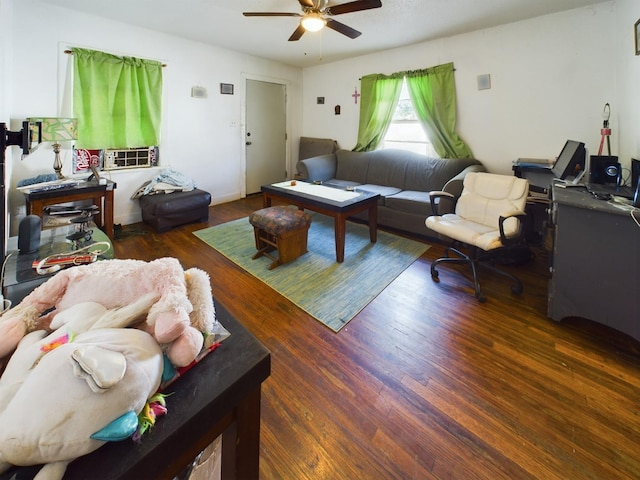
[{"x": 163, "y": 211}]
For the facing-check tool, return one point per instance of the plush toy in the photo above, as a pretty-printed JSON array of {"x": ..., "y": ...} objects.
[
  {"x": 182, "y": 314},
  {"x": 65, "y": 394},
  {"x": 89, "y": 348}
]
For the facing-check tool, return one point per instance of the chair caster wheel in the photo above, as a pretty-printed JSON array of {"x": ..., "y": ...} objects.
[
  {"x": 435, "y": 275},
  {"x": 481, "y": 298},
  {"x": 516, "y": 289}
]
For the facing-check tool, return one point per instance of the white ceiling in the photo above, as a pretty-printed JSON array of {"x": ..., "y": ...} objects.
[{"x": 397, "y": 23}]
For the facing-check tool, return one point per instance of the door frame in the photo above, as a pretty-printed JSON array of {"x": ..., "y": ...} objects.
[{"x": 243, "y": 124}]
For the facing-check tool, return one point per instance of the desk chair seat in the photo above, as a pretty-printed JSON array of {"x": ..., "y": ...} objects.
[{"x": 487, "y": 218}]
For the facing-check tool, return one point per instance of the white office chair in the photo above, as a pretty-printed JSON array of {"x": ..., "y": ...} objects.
[{"x": 487, "y": 217}]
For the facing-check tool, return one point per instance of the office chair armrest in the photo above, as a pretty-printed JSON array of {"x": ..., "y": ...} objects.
[
  {"x": 435, "y": 197},
  {"x": 515, "y": 238}
]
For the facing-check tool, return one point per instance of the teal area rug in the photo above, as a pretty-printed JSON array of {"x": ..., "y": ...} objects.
[{"x": 331, "y": 292}]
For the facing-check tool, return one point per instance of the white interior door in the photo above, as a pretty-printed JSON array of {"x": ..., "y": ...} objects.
[{"x": 265, "y": 135}]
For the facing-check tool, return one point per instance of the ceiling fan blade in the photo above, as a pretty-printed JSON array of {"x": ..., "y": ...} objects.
[
  {"x": 342, "y": 28},
  {"x": 297, "y": 34},
  {"x": 270, "y": 14},
  {"x": 356, "y": 6},
  {"x": 306, "y": 3}
]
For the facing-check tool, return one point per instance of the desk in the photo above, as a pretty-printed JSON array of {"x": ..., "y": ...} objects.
[
  {"x": 596, "y": 261},
  {"x": 539, "y": 175},
  {"x": 220, "y": 396},
  {"x": 100, "y": 195}
]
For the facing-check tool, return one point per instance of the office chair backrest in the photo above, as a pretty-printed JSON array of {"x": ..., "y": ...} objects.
[{"x": 486, "y": 196}]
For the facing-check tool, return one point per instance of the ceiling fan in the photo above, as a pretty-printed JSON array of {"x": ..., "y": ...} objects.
[{"x": 317, "y": 14}]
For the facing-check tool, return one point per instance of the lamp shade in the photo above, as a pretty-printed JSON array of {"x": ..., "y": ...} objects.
[{"x": 56, "y": 129}]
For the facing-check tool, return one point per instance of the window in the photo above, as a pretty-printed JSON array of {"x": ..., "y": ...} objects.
[
  {"x": 405, "y": 131},
  {"x": 118, "y": 103}
]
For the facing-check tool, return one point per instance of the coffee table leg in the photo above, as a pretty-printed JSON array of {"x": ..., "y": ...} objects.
[
  {"x": 373, "y": 223},
  {"x": 340, "y": 228}
]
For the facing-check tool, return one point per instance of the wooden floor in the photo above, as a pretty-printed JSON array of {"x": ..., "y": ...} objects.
[{"x": 426, "y": 382}]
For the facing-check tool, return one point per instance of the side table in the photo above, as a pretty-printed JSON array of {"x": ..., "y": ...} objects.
[
  {"x": 219, "y": 396},
  {"x": 100, "y": 195},
  {"x": 20, "y": 278}
]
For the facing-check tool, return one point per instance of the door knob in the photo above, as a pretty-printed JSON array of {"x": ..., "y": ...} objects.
[{"x": 248, "y": 143}]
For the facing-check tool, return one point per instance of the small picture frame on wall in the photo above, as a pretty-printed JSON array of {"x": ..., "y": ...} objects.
[
  {"x": 636, "y": 34},
  {"x": 226, "y": 88}
]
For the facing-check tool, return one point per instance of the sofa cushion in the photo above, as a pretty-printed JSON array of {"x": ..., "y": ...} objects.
[
  {"x": 433, "y": 173},
  {"x": 389, "y": 166},
  {"x": 352, "y": 166},
  {"x": 321, "y": 169},
  {"x": 410, "y": 201},
  {"x": 383, "y": 190}
]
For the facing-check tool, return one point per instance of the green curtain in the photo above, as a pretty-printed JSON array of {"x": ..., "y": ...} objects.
[
  {"x": 433, "y": 93},
  {"x": 379, "y": 98},
  {"x": 117, "y": 100}
]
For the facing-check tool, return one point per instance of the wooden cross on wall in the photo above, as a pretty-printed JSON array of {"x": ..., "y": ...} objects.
[{"x": 355, "y": 95}]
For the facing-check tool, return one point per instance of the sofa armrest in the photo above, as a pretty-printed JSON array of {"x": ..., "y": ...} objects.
[
  {"x": 320, "y": 168},
  {"x": 454, "y": 185}
]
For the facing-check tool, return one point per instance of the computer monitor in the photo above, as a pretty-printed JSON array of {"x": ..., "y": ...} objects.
[{"x": 573, "y": 154}]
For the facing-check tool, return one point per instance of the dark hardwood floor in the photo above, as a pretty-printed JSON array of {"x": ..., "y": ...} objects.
[{"x": 426, "y": 382}]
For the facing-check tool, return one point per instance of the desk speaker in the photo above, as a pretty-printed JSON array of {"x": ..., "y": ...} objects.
[
  {"x": 604, "y": 169},
  {"x": 29, "y": 234}
]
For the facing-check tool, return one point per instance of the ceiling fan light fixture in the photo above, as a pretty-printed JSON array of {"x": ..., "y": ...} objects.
[{"x": 312, "y": 22}]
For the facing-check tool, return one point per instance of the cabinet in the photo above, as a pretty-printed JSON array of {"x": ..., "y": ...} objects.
[{"x": 595, "y": 272}]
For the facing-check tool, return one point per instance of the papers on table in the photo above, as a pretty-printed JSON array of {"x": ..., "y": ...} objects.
[{"x": 46, "y": 186}]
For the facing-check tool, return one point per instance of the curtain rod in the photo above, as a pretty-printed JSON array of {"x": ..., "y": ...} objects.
[
  {"x": 407, "y": 71},
  {"x": 70, "y": 52}
]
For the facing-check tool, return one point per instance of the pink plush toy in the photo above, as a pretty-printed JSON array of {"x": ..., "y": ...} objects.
[{"x": 183, "y": 313}]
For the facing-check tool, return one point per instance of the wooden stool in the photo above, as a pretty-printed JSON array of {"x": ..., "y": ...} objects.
[{"x": 281, "y": 228}]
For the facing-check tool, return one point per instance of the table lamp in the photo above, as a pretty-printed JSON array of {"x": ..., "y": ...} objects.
[{"x": 56, "y": 130}]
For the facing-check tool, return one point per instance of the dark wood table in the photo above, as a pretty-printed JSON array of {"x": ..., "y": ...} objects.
[
  {"x": 339, "y": 210},
  {"x": 100, "y": 195},
  {"x": 219, "y": 396}
]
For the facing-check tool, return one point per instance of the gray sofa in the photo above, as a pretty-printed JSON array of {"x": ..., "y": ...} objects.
[{"x": 402, "y": 178}]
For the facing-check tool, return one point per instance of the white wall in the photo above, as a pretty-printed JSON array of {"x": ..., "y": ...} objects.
[
  {"x": 627, "y": 79},
  {"x": 550, "y": 76},
  {"x": 5, "y": 56},
  {"x": 202, "y": 138}
]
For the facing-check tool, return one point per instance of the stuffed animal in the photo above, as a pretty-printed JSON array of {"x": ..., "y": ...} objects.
[
  {"x": 182, "y": 314},
  {"x": 89, "y": 349},
  {"x": 65, "y": 394}
]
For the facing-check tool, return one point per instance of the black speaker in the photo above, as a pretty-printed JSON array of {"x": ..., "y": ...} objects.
[
  {"x": 29, "y": 234},
  {"x": 604, "y": 169}
]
